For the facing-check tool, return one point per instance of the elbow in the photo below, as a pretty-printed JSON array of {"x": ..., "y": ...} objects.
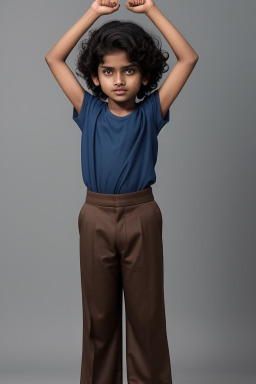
[
  {"x": 191, "y": 59},
  {"x": 194, "y": 59},
  {"x": 47, "y": 58},
  {"x": 51, "y": 60}
]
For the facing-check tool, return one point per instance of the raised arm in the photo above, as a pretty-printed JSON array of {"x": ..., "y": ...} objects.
[
  {"x": 186, "y": 56},
  {"x": 57, "y": 55}
]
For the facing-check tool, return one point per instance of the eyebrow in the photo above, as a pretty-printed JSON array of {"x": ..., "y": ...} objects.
[{"x": 126, "y": 66}]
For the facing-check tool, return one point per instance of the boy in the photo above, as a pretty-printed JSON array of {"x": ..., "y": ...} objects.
[{"x": 120, "y": 223}]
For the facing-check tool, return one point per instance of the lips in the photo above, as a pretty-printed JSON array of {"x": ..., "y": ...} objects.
[{"x": 120, "y": 91}]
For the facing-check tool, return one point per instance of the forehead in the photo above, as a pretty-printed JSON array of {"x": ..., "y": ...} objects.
[{"x": 116, "y": 59}]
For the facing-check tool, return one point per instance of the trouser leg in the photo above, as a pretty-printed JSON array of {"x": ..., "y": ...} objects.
[
  {"x": 101, "y": 283},
  {"x": 147, "y": 351}
]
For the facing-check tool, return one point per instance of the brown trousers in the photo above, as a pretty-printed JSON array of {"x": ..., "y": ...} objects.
[{"x": 121, "y": 251}]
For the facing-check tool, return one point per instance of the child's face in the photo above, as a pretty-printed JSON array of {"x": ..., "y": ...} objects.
[{"x": 116, "y": 76}]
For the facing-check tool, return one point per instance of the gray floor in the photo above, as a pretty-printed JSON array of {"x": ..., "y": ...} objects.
[{"x": 178, "y": 378}]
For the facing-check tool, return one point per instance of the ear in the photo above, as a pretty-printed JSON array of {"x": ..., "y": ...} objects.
[
  {"x": 145, "y": 79},
  {"x": 95, "y": 80}
]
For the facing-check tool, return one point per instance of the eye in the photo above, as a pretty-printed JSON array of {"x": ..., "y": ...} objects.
[
  {"x": 130, "y": 69},
  {"x": 106, "y": 70}
]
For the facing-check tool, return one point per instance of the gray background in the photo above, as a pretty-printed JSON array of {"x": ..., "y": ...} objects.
[{"x": 205, "y": 188}]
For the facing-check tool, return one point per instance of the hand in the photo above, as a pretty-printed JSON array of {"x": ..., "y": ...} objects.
[
  {"x": 104, "y": 7},
  {"x": 139, "y": 6}
]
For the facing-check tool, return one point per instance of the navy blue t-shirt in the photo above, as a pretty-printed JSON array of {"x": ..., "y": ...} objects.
[{"x": 118, "y": 154}]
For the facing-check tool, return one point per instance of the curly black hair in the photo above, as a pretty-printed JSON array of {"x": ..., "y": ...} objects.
[{"x": 142, "y": 48}]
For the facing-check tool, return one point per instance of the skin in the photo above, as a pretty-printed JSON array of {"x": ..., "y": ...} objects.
[
  {"x": 122, "y": 105},
  {"x": 110, "y": 79}
]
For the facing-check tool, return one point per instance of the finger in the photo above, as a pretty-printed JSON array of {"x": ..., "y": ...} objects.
[{"x": 115, "y": 4}]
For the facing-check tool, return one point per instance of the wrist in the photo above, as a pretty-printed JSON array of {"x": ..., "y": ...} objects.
[
  {"x": 95, "y": 13},
  {"x": 151, "y": 9}
]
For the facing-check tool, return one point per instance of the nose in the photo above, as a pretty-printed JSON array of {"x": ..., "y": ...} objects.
[{"x": 118, "y": 79}]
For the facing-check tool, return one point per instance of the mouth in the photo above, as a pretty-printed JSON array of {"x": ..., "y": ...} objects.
[{"x": 120, "y": 91}]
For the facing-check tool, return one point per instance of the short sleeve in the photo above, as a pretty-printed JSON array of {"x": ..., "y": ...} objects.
[
  {"x": 89, "y": 106},
  {"x": 152, "y": 103}
]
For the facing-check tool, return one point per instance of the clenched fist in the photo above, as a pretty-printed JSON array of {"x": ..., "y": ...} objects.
[
  {"x": 139, "y": 6},
  {"x": 104, "y": 7}
]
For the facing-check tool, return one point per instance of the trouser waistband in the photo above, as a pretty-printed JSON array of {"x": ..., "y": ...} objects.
[{"x": 119, "y": 200}]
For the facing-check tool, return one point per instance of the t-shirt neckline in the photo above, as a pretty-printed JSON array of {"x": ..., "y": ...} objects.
[{"x": 120, "y": 117}]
